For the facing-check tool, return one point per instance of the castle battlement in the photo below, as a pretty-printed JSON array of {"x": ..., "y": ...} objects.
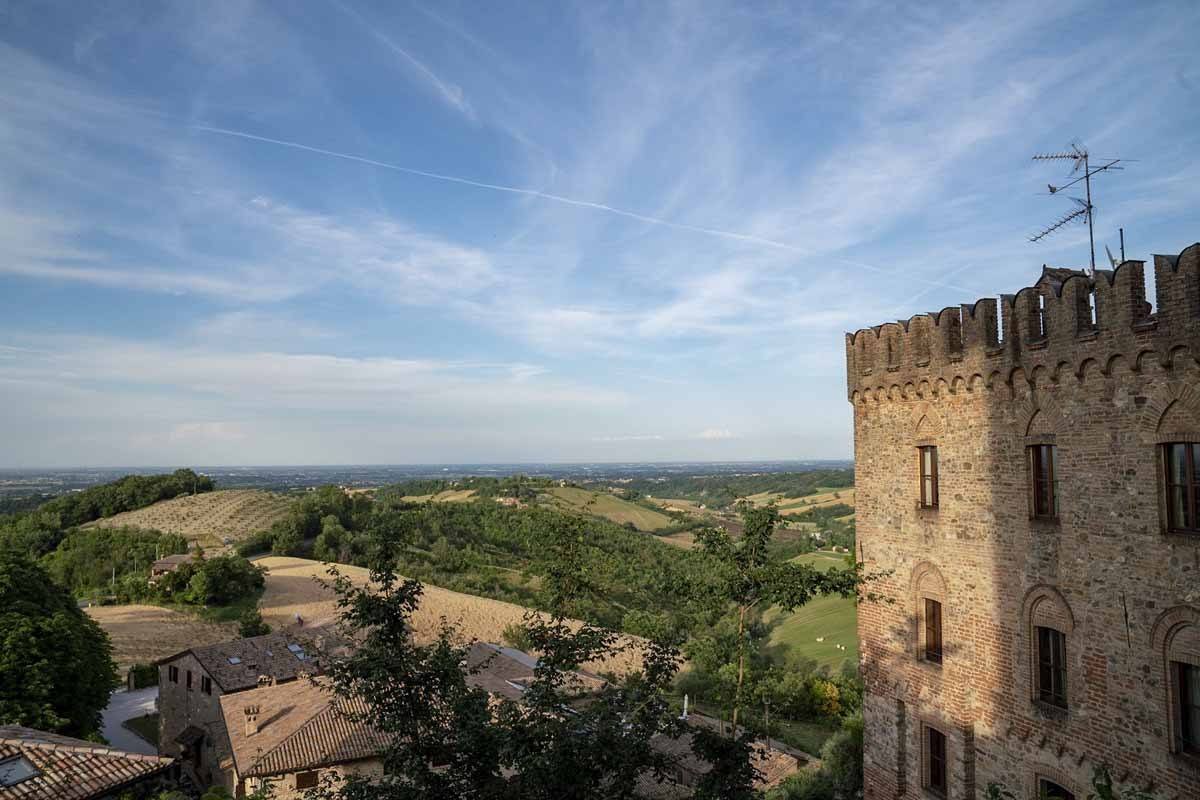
[{"x": 1066, "y": 323}]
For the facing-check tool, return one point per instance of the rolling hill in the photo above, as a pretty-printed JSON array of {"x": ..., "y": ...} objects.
[
  {"x": 208, "y": 518},
  {"x": 609, "y": 506}
]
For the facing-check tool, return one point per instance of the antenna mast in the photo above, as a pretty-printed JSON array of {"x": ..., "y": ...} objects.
[{"x": 1086, "y": 210}]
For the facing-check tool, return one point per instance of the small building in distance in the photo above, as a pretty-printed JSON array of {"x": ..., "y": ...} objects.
[
  {"x": 40, "y": 766},
  {"x": 170, "y": 563},
  {"x": 191, "y": 684}
]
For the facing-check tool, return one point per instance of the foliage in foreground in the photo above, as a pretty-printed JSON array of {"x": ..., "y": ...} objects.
[
  {"x": 449, "y": 741},
  {"x": 1103, "y": 788},
  {"x": 750, "y": 580},
  {"x": 56, "y": 667}
]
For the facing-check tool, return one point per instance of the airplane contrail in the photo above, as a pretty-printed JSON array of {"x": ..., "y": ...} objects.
[
  {"x": 557, "y": 198},
  {"x": 502, "y": 188}
]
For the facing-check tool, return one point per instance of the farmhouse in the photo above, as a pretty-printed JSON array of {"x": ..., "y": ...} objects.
[
  {"x": 192, "y": 683},
  {"x": 290, "y": 737},
  {"x": 1031, "y": 494},
  {"x": 170, "y": 563},
  {"x": 36, "y": 765}
]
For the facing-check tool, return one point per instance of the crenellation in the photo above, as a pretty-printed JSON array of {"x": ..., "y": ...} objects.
[
  {"x": 1107, "y": 569},
  {"x": 1064, "y": 318}
]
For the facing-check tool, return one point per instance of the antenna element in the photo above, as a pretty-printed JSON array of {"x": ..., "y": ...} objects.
[{"x": 1081, "y": 158}]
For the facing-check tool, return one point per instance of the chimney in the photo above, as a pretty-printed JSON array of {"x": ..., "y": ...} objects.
[{"x": 251, "y": 713}]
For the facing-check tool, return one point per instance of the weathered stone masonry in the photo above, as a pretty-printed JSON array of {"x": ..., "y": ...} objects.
[{"x": 1082, "y": 364}]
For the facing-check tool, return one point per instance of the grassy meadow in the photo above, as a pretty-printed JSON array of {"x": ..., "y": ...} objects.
[{"x": 832, "y": 619}]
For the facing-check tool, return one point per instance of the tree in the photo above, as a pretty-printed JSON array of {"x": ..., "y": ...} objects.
[
  {"x": 448, "y": 739},
  {"x": 440, "y": 740},
  {"x": 56, "y": 667},
  {"x": 752, "y": 581},
  {"x": 251, "y": 624}
]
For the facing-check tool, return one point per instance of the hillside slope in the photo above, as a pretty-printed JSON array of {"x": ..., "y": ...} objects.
[
  {"x": 295, "y": 586},
  {"x": 207, "y": 518},
  {"x": 609, "y": 506}
]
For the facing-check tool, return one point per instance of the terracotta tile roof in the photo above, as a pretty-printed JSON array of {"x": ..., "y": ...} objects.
[
  {"x": 773, "y": 764},
  {"x": 299, "y": 727},
  {"x": 70, "y": 769},
  {"x": 284, "y": 655},
  {"x": 506, "y": 671},
  {"x": 172, "y": 561}
]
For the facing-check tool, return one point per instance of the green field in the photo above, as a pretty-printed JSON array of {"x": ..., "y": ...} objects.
[
  {"x": 609, "y": 506},
  {"x": 833, "y": 619}
]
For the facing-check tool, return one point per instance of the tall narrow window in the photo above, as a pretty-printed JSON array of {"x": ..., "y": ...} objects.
[
  {"x": 189, "y": 680},
  {"x": 1049, "y": 790},
  {"x": 1182, "y": 463},
  {"x": 933, "y": 631},
  {"x": 1052, "y": 667},
  {"x": 1189, "y": 707},
  {"x": 929, "y": 476},
  {"x": 935, "y": 761},
  {"x": 1043, "y": 459}
]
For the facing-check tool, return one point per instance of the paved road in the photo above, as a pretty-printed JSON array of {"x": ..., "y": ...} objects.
[{"x": 123, "y": 706}]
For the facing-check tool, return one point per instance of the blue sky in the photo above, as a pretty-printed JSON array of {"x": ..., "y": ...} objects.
[{"x": 349, "y": 232}]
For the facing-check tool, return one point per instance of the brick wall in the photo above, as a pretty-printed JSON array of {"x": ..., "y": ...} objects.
[{"x": 1107, "y": 573}]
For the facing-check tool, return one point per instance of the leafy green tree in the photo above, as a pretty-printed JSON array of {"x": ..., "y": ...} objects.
[
  {"x": 251, "y": 624},
  {"x": 448, "y": 740},
  {"x": 441, "y": 740},
  {"x": 751, "y": 581},
  {"x": 220, "y": 580},
  {"x": 56, "y": 667}
]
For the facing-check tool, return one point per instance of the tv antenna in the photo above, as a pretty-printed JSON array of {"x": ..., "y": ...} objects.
[{"x": 1085, "y": 210}]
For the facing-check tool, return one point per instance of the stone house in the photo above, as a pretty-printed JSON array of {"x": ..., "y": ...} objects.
[
  {"x": 192, "y": 682},
  {"x": 1028, "y": 485},
  {"x": 168, "y": 564},
  {"x": 35, "y": 765},
  {"x": 293, "y": 737}
]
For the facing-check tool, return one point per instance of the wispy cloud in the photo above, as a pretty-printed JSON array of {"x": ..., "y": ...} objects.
[{"x": 448, "y": 92}]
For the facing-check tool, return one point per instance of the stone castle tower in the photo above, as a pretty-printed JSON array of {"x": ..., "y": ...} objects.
[{"x": 1031, "y": 486}]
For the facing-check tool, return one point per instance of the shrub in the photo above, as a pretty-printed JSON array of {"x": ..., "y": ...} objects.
[
  {"x": 143, "y": 675},
  {"x": 251, "y": 624},
  {"x": 517, "y": 637}
]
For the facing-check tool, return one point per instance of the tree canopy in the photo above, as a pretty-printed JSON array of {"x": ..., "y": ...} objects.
[{"x": 56, "y": 667}]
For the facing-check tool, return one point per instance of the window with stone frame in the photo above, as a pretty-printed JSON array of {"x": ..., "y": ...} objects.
[
  {"x": 928, "y": 457},
  {"x": 308, "y": 780},
  {"x": 933, "y": 631},
  {"x": 173, "y": 673},
  {"x": 1181, "y": 467},
  {"x": 189, "y": 680},
  {"x": 1043, "y": 470},
  {"x": 1049, "y": 790},
  {"x": 935, "y": 766},
  {"x": 1176, "y": 638},
  {"x": 206, "y": 684},
  {"x": 1052, "y": 666}
]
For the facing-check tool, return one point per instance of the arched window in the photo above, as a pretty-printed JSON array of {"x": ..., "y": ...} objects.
[
  {"x": 1050, "y": 626},
  {"x": 1176, "y": 637},
  {"x": 929, "y": 603}
]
